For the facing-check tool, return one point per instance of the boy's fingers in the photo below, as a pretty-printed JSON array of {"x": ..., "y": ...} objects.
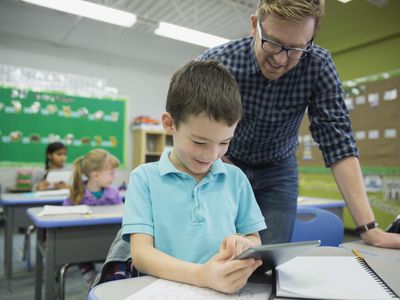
[{"x": 225, "y": 254}]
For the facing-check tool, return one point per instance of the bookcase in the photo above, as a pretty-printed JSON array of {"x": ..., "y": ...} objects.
[{"x": 148, "y": 145}]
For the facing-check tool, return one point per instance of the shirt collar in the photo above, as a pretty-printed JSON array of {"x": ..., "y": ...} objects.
[{"x": 166, "y": 166}]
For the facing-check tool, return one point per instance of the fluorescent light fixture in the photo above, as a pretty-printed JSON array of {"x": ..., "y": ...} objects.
[
  {"x": 89, "y": 10},
  {"x": 189, "y": 35}
]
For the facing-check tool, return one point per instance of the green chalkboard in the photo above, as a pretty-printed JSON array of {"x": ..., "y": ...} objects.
[{"x": 29, "y": 120}]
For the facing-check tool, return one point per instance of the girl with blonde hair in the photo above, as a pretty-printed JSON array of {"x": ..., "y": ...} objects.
[{"x": 93, "y": 175}]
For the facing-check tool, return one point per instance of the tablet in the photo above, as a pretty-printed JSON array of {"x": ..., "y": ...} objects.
[{"x": 275, "y": 254}]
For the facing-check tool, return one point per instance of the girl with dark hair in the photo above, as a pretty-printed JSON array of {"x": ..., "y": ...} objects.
[{"x": 55, "y": 157}]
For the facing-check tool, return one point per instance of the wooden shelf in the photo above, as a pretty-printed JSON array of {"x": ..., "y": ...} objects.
[{"x": 148, "y": 145}]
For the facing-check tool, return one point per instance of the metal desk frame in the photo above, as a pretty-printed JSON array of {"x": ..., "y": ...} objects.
[
  {"x": 15, "y": 206},
  {"x": 71, "y": 239}
]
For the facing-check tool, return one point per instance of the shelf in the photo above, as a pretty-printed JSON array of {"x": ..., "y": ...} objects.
[{"x": 148, "y": 145}]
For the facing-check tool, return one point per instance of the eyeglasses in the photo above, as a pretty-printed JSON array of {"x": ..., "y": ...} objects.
[{"x": 272, "y": 47}]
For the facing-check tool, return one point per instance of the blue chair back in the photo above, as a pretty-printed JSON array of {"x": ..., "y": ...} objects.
[{"x": 317, "y": 224}]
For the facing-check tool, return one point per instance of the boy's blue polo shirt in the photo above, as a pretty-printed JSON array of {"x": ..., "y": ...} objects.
[{"x": 188, "y": 219}]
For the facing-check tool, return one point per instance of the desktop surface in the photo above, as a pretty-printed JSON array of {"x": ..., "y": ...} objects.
[{"x": 121, "y": 289}]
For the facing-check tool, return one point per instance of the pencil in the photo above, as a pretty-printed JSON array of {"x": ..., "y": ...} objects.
[{"x": 356, "y": 253}]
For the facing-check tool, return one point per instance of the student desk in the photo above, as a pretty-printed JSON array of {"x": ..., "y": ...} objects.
[
  {"x": 335, "y": 206},
  {"x": 14, "y": 206},
  {"x": 120, "y": 289},
  {"x": 65, "y": 239},
  {"x": 372, "y": 251}
]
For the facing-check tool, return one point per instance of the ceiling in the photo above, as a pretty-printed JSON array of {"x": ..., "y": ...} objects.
[{"x": 345, "y": 26}]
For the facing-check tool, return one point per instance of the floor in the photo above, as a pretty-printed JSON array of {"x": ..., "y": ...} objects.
[{"x": 23, "y": 283}]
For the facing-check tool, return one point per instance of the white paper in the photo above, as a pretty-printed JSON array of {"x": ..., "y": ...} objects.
[
  {"x": 390, "y": 133},
  {"x": 360, "y": 100},
  {"x": 51, "y": 210},
  {"x": 52, "y": 193},
  {"x": 373, "y": 134},
  {"x": 360, "y": 135},
  {"x": 59, "y": 176},
  {"x": 373, "y": 99},
  {"x": 327, "y": 277},
  {"x": 390, "y": 95},
  {"x": 164, "y": 290},
  {"x": 349, "y": 104}
]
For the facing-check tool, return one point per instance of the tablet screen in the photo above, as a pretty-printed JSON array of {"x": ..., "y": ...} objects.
[{"x": 275, "y": 254}]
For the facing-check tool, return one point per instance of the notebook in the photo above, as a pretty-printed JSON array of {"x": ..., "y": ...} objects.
[
  {"x": 62, "y": 193},
  {"x": 330, "y": 277},
  {"x": 51, "y": 210}
]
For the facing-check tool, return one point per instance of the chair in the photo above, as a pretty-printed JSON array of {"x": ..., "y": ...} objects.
[{"x": 318, "y": 224}]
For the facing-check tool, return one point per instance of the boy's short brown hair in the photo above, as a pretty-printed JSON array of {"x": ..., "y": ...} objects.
[{"x": 204, "y": 87}]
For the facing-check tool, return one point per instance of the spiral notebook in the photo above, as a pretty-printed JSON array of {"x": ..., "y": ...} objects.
[{"x": 330, "y": 277}]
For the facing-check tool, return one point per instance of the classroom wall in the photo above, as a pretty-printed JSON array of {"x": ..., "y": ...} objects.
[
  {"x": 364, "y": 38},
  {"x": 367, "y": 59},
  {"x": 143, "y": 82}
]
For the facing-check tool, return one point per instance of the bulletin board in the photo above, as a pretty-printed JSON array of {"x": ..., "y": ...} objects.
[
  {"x": 373, "y": 103},
  {"x": 374, "y": 107},
  {"x": 30, "y": 120}
]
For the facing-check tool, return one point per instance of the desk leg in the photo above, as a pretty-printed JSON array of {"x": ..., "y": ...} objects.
[
  {"x": 50, "y": 274},
  {"x": 40, "y": 246},
  {"x": 8, "y": 244}
]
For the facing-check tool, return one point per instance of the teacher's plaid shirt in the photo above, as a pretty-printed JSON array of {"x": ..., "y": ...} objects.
[{"x": 273, "y": 109}]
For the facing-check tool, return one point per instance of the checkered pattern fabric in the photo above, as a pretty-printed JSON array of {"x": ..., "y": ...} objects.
[{"x": 274, "y": 109}]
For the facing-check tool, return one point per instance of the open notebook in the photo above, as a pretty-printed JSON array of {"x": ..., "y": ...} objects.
[{"x": 330, "y": 277}]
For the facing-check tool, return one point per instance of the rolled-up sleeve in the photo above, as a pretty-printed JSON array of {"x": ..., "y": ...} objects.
[{"x": 330, "y": 123}]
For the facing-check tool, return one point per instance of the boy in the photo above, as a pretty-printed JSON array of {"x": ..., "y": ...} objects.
[{"x": 188, "y": 215}]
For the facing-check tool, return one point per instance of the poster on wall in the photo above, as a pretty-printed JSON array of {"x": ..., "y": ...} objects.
[{"x": 29, "y": 120}]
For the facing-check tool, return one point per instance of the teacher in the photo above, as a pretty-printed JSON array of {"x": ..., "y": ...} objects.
[{"x": 282, "y": 74}]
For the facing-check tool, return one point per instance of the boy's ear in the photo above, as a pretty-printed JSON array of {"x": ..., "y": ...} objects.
[{"x": 167, "y": 122}]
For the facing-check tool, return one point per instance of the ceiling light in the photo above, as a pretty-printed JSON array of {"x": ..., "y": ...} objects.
[
  {"x": 189, "y": 35},
  {"x": 89, "y": 10},
  {"x": 344, "y": 1}
]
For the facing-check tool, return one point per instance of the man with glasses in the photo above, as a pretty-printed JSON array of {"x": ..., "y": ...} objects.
[{"x": 281, "y": 74}]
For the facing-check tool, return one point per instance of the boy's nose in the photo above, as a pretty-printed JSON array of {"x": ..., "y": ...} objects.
[{"x": 213, "y": 154}]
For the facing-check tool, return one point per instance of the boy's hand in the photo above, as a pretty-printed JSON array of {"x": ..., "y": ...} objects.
[
  {"x": 237, "y": 242},
  {"x": 225, "y": 274}
]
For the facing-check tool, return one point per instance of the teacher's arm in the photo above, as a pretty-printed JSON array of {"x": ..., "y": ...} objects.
[{"x": 349, "y": 179}]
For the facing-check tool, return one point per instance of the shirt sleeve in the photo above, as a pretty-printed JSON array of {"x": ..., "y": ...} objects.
[
  {"x": 249, "y": 219},
  {"x": 38, "y": 177},
  {"x": 67, "y": 202},
  {"x": 113, "y": 196},
  {"x": 138, "y": 216},
  {"x": 330, "y": 123}
]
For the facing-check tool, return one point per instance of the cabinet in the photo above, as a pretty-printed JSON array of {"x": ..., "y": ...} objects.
[{"x": 148, "y": 145}]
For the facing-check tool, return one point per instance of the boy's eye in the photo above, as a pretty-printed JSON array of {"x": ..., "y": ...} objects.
[
  {"x": 224, "y": 143},
  {"x": 198, "y": 143}
]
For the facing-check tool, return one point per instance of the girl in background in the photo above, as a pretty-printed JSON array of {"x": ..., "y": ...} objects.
[
  {"x": 55, "y": 157},
  {"x": 93, "y": 175}
]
